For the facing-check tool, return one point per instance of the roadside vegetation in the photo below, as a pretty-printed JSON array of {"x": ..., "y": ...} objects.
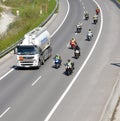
[
  {"x": 1, "y": 9},
  {"x": 31, "y": 14},
  {"x": 118, "y": 0}
]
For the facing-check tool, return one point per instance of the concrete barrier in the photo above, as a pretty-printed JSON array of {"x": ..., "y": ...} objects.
[{"x": 112, "y": 102}]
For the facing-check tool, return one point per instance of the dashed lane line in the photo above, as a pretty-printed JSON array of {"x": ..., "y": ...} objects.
[{"x": 5, "y": 112}]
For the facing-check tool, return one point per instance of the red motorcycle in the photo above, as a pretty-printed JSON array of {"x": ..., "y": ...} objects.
[
  {"x": 97, "y": 11},
  {"x": 72, "y": 44}
]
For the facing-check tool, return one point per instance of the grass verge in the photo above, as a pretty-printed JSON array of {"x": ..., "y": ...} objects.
[{"x": 29, "y": 17}]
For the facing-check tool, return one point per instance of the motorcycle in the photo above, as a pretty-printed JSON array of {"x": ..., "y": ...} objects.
[
  {"x": 89, "y": 36},
  {"x": 86, "y": 16},
  {"x": 95, "y": 21},
  {"x": 72, "y": 44},
  {"x": 78, "y": 28},
  {"x": 97, "y": 11},
  {"x": 68, "y": 69},
  {"x": 57, "y": 63},
  {"x": 76, "y": 53}
]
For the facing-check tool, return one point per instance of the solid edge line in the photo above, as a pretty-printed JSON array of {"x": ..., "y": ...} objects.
[
  {"x": 6, "y": 74},
  {"x": 36, "y": 80},
  {"x": 74, "y": 79},
  {"x": 5, "y": 112}
]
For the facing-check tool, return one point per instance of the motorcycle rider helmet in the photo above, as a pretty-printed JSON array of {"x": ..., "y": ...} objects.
[
  {"x": 68, "y": 60},
  {"x": 73, "y": 38},
  {"x": 57, "y": 55}
]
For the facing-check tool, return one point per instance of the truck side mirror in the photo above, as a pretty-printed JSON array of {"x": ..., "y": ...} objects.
[{"x": 15, "y": 50}]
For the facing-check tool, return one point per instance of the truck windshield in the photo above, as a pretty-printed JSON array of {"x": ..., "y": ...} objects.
[{"x": 27, "y": 50}]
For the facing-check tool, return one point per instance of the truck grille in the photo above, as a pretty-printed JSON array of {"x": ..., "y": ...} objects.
[
  {"x": 28, "y": 57},
  {"x": 27, "y": 63}
]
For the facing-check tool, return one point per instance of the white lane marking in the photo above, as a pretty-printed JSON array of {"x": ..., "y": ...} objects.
[
  {"x": 51, "y": 36},
  {"x": 36, "y": 80},
  {"x": 78, "y": 73},
  {"x": 82, "y": 3},
  {"x": 5, "y": 112},
  {"x": 84, "y": 7},
  {"x": 103, "y": 112},
  {"x": 6, "y": 74}
]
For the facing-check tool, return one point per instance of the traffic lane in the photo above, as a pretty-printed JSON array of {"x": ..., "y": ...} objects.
[
  {"x": 14, "y": 77},
  {"x": 58, "y": 17},
  {"x": 34, "y": 102},
  {"x": 66, "y": 54},
  {"x": 28, "y": 77},
  {"x": 8, "y": 62},
  {"x": 88, "y": 96}
]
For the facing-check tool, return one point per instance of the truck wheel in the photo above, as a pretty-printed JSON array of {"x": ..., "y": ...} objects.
[
  {"x": 43, "y": 61},
  {"x": 39, "y": 64}
]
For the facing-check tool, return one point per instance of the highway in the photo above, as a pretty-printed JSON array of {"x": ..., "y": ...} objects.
[{"x": 47, "y": 94}]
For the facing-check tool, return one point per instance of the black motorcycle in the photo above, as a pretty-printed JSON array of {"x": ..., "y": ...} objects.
[
  {"x": 95, "y": 21},
  {"x": 86, "y": 16},
  {"x": 69, "y": 70},
  {"x": 76, "y": 53},
  {"x": 78, "y": 28}
]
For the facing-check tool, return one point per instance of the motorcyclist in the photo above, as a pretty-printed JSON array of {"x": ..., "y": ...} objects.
[
  {"x": 77, "y": 50},
  {"x": 58, "y": 57},
  {"x": 97, "y": 10},
  {"x": 95, "y": 18},
  {"x": 73, "y": 42},
  {"x": 69, "y": 64},
  {"x": 89, "y": 34},
  {"x": 86, "y": 14},
  {"x": 79, "y": 27}
]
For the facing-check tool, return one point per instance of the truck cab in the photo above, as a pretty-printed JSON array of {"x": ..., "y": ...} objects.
[{"x": 34, "y": 49}]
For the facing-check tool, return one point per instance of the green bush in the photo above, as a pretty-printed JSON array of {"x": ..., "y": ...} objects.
[{"x": 28, "y": 19}]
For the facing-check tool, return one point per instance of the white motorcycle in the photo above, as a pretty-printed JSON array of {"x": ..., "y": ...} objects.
[{"x": 89, "y": 36}]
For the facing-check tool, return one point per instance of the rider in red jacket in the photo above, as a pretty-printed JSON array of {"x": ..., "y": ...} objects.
[
  {"x": 73, "y": 43},
  {"x": 97, "y": 10}
]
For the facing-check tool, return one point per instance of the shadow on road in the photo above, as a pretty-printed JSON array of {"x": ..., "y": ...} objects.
[{"x": 116, "y": 64}]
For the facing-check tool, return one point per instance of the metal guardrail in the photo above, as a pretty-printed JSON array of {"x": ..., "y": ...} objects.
[
  {"x": 116, "y": 2},
  {"x": 12, "y": 47}
]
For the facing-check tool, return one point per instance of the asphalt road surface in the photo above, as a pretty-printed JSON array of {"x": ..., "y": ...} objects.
[{"x": 47, "y": 94}]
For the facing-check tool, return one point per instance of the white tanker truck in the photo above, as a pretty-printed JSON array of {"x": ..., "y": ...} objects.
[{"x": 34, "y": 49}]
